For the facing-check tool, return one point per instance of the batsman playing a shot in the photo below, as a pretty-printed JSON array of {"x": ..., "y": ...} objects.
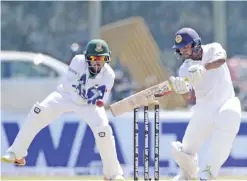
[
  {"x": 217, "y": 112},
  {"x": 84, "y": 90}
]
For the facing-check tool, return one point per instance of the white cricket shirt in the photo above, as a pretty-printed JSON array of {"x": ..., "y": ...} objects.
[
  {"x": 216, "y": 86},
  {"x": 78, "y": 87}
]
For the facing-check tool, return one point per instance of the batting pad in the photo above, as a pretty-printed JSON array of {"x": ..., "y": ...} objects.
[
  {"x": 106, "y": 145},
  {"x": 186, "y": 162}
]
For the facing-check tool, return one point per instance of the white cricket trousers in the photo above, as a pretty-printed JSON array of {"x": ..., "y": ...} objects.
[
  {"x": 220, "y": 126},
  {"x": 42, "y": 114}
]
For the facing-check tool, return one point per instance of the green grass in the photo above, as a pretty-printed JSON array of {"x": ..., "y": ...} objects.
[
  {"x": 92, "y": 178},
  {"x": 52, "y": 178}
]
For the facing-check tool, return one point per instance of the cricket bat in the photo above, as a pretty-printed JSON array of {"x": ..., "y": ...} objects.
[{"x": 141, "y": 98}]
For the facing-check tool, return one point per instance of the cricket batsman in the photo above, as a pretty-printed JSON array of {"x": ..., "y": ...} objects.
[
  {"x": 217, "y": 112},
  {"x": 84, "y": 90}
]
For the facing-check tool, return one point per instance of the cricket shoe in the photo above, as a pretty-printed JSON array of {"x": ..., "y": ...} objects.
[
  {"x": 117, "y": 177},
  {"x": 11, "y": 158},
  {"x": 181, "y": 177}
]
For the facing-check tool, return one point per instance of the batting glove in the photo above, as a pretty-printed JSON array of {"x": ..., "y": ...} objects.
[
  {"x": 179, "y": 85},
  {"x": 195, "y": 74}
]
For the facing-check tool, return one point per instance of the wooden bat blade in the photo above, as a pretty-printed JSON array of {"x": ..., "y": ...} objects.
[{"x": 141, "y": 98}]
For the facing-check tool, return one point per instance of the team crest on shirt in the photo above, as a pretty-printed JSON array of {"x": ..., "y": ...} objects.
[
  {"x": 99, "y": 48},
  {"x": 178, "y": 38}
]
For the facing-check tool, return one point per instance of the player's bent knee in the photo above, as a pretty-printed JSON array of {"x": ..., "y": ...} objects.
[
  {"x": 229, "y": 121},
  {"x": 102, "y": 132},
  {"x": 37, "y": 110},
  {"x": 188, "y": 163},
  {"x": 38, "y": 114}
]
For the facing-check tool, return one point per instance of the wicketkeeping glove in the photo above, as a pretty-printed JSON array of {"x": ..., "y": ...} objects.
[{"x": 95, "y": 96}]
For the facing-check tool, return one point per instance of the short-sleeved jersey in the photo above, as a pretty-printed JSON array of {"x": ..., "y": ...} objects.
[
  {"x": 216, "y": 86},
  {"x": 79, "y": 87}
]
